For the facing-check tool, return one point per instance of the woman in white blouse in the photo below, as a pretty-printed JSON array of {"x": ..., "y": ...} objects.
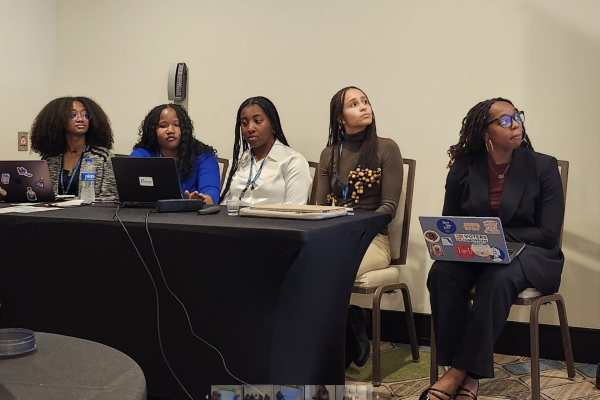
[{"x": 268, "y": 171}]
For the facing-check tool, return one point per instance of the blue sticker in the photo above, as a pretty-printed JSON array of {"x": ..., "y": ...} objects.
[
  {"x": 446, "y": 226},
  {"x": 496, "y": 254}
]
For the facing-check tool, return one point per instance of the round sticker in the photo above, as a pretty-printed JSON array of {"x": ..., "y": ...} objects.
[
  {"x": 431, "y": 236},
  {"x": 497, "y": 254},
  {"x": 482, "y": 249},
  {"x": 446, "y": 226},
  {"x": 464, "y": 250}
]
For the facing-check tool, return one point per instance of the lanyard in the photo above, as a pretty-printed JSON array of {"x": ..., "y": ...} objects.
[
  {"x": 339, "y": 180},
  {"x": 250, "y": 180},
  {"x": 62, "y": 167}
]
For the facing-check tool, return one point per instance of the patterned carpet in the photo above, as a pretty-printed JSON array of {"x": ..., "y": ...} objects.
[{"x": 512, "y": 380}]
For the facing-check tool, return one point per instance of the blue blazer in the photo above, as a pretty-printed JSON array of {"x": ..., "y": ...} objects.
[{"x": 531, "y": 208}]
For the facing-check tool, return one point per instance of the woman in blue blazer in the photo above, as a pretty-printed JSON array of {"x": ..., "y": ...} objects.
[
  {"x": 168, "y": 131},
  {"x": 493, "y": 172}
]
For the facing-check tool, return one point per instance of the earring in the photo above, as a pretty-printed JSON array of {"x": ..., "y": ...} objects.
[{"x": 491, "y": 145}]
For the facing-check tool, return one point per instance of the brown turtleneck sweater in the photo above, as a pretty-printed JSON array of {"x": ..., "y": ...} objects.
[{"x": 381, "y": 198}]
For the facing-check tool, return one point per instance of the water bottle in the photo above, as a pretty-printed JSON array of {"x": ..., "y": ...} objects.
[{"x": 88, "y": 178}]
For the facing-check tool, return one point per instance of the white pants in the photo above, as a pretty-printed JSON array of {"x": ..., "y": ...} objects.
[{"x": 378, "y": 255}]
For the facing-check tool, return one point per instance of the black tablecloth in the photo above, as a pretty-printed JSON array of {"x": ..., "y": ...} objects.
[
  {"x": 66, "y": 368},
  {"x": 270, "y": 294}
]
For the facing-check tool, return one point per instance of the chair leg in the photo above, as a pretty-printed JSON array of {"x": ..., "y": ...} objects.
[
  {"x": 410, "y": 323},
  {"x": 534, "y": 342},
  {"x": 433, "y": 367},
  {"x": 376, "y": 339},
  {"x": 566, "y": 336}
]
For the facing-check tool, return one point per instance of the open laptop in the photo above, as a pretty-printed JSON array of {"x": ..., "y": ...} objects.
[
  {"x": 470, "y": 239},
  {"x": 25, "y": 181},
  {"x": 145, "y": 180}
]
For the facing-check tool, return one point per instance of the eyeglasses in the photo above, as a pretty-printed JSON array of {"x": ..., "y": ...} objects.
[
  {"x": 84, "y": 115},
  {"x": 505, "y": 121}
]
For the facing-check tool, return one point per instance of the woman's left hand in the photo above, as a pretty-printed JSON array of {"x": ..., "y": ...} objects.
[{"x": 195, "y": 195}]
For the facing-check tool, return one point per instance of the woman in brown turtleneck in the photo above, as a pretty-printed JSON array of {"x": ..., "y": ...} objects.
[{"x": 375, "y": 185}]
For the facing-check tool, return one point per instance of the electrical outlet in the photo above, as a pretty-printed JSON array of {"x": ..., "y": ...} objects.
[{"x": 23, "y": 141}]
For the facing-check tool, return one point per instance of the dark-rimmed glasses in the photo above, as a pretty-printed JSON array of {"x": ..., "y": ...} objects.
[{"x": 505, "y": 121}]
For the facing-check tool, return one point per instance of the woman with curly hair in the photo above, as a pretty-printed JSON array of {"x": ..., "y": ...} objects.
[
  {"x": 494, "y": 172},
  {"x": 167, "y": 131},
  {"x": 268, "y": 171},
  {"x": 67, "y": 131}
]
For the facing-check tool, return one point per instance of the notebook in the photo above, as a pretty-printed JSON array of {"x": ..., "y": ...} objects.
[
  {"x": 25, "y": 181},
  {"x": 470, "y": 239},
  {"x": 145, "y": 180}
]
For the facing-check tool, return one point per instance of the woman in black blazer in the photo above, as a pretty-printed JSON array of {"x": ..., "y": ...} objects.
[{"x": 493, "y": 172}]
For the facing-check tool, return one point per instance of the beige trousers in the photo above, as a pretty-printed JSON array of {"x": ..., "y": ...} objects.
[{"x": 378, "y": 255}]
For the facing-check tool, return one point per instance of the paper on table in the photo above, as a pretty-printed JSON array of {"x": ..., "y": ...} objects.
[{"x": 25, "y": 209}]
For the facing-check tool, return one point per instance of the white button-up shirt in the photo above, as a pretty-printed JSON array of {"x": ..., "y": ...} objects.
[{"x": 285, "y": 178}]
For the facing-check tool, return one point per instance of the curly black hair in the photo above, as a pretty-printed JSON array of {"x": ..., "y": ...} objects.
[
  {"x": 271, "y": 112},
  {"x": 472, "y": 132},
  {"x": 368, "y": 153},
  {"x": 189, "y": 147},
  {"x": 49, "y": 127}
]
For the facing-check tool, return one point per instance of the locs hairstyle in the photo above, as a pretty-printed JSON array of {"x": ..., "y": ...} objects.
[
  {"x": 368, "y": 152},
  {"x": 472, "y": 133},
  {"x": 239, "y": 143},
  {"x": 49, "y": 127},
  {"x": 189, "y": 147}
]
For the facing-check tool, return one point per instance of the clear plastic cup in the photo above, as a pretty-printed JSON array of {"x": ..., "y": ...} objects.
[{"x": 233, "y": 206}]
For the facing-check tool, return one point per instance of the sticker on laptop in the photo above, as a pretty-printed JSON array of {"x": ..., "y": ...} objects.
[
  {"x": 447, "y": 241},
  {"x": 31, "y": 196},
  {"x": 436, "y": 249},
  {"x": 470, "y": 237},
  {"x": 491, "y": 226},
  {"x": 3, "y": 192},
  {"x": 496, "y": 254},
  {"x": 464, "y": 250},
  {"x": 481, "y": 249},
  {"x": 471, "y": 226},
  {"x": 431, "y": 236},
  {"x": 5, "y": 178},
  {"x": 23, "y": 171},
  {"x": 446, "y": 226},
  {"x": 40, "y": 183},
  {"x": 146, "y": 181}
]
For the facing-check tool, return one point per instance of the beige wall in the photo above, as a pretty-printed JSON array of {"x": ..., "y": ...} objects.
[
  {"x": 27, "y": 67},
  {"x": 423, "y": 65}
]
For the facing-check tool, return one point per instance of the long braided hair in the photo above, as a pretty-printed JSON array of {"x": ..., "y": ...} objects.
[
  {"x": 189, "y": 147},
  {"x": 49, "y": 127},
  {"x": 472, "y": 132},
  {"x": 240, "y": 144},
  {"x": 368, "y": 151}
]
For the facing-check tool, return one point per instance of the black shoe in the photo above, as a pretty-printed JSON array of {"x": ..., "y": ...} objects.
[
  {"x": 357, "y": 324},
  {"x": 348, "y": 357},
  {"x": 435, "y": 395}
]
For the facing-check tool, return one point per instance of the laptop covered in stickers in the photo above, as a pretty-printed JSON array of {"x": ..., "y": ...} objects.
[
  {"x": 469, "y": 239},
  {"x": 25, "y": 181}
]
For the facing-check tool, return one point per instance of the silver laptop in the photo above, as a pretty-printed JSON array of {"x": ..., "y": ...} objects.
[
  {"x": 470, "y": 239},
  {"x": 25, "y": 181},
  {"x": 145, "y": 180}
]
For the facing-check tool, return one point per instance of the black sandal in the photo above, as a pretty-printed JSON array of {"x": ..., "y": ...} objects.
[
  {"x": 468, "y": 393},
  {"x": 427, "y": 392}
]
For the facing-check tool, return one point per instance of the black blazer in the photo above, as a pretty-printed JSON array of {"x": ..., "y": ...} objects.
[{"x": 531, "y": 208}]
